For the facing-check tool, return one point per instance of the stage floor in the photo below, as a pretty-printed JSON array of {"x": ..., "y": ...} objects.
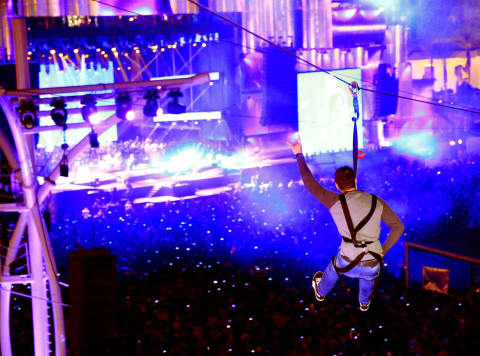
[{"x": 222, "y": 180}]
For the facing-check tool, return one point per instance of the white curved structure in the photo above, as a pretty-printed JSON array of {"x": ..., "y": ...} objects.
[{"x": 47, "y": 306}]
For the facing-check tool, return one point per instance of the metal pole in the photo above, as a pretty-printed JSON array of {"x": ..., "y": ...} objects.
[
  {"x": 190, "y": 68},
  {"x": 14, "y": 242},
  {"x": 415, "y": 246},
  {"x": 7, "y": 41},
  {"x": 178, "y": 83},
  {"x": 444, "y": 253},
  {"x": 54, "y": 287},
  {"x": 11, "y": 155},
  {"x": 6, "y": 346},
  {"x": 39, "y": 294},
  {"x": 5, "y": 294},
  {"x": 22, "y": 70}
]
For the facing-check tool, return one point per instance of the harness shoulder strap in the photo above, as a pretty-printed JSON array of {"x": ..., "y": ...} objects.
[
  {"x": 348, "y": 218},
  {"x": 367, "y": 218},
  {"x": 353, "y": 230}
]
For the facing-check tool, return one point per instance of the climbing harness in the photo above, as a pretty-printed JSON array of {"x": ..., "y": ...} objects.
[{"x": 358, "y": 244}]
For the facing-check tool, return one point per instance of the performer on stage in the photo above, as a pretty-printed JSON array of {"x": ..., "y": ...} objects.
[{"x": 357, "y": 215}]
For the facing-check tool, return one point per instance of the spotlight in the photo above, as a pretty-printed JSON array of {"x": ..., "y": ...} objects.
[
  {"x": 130, "y": 115},
  {"x": 64, "y": 167},
  {"x": 89, "y": 109},
  {"x": 64, "y": 161},
  {"x": 151, "y": 106},
  {"x": 28, "y": 114},
  {"x": 59, "y": 113},
  {"x": 124, "y": 107},
  {"x": 94, "y": 140},
  {"x": 174, "y": 107}
]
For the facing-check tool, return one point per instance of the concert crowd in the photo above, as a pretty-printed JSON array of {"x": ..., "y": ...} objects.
[{"x": 230, "y": 274}]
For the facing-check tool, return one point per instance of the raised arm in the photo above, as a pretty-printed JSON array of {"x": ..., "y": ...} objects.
[
  {"x": 326, "y": 197},
  {"x": 392, "y": 220}
]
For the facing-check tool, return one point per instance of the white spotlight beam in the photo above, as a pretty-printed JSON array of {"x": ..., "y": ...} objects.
[
  {"x": 213, "y": 76},
  {"x": 359, "y": 28},
  {"x": 189, "y": 116}
]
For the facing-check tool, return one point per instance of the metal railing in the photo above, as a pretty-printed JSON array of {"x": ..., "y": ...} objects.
[{"x": 414, "y": 246}]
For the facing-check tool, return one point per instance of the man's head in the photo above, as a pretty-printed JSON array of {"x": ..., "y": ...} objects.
[{"x": 345, "y": 178}]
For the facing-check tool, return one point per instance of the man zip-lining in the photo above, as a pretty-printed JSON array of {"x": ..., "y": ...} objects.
[{"x": 358, "y": 216}]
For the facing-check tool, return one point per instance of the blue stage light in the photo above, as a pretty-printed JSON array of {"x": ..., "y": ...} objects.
[
  {"x": 238, "y": 160},
  {"x": 89, "y": 109},
  {"x": 124, "y": 106},
  {"x": 421, "y": 145},
  {"x": 385, "y": 4}
]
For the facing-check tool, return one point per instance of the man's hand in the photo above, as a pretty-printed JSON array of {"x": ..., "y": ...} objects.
[{"x": 296, "y": 146}]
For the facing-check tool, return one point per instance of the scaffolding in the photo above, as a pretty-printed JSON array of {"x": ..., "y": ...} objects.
[{"x": 39, "y": 269}]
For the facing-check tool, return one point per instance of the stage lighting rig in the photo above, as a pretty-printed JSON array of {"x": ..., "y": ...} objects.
[
  {"x": 124, "y": 107},
  {"x": 59, "y": 113},
  {"x": 151, "y": 106},
  {"x": 28, "y": 114},
  {"x": 89, "y": 109},
  {"x": 174, "y": 107}
]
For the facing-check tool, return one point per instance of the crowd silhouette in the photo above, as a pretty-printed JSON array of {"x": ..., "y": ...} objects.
[{"x": 229, "y": 274}]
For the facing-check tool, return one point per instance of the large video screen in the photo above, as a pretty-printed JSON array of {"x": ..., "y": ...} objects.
[
  {"x": 325, "y": 110},
  {"x": 54, "y": 77}
]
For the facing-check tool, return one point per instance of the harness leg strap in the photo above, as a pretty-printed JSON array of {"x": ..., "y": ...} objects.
[{"x": 352, "y": 264}]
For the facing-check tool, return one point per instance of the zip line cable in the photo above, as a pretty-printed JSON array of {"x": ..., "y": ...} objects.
[
  {"x": 34, "y": 297},
  {"x": 321, "y": 69},
  {"x": 300, "y": 59}
]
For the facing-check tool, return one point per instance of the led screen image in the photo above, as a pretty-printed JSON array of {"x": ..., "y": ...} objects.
[
  {"x": 55, "y": 77},
  {"x": 325, "y": 111}
]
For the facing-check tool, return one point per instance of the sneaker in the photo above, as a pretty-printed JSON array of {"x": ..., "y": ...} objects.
[
  {"x": 315, "y": 280},
  {"x": 364, "y": 307}
]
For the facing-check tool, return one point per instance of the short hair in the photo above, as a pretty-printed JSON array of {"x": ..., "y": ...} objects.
[{"x": 345, "y": 177}]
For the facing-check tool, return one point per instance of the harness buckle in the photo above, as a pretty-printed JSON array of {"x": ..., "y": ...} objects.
[{"x": 361, "y": 244}]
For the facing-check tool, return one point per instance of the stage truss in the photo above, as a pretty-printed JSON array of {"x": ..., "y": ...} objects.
[{"x": 40, "y": 270}]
